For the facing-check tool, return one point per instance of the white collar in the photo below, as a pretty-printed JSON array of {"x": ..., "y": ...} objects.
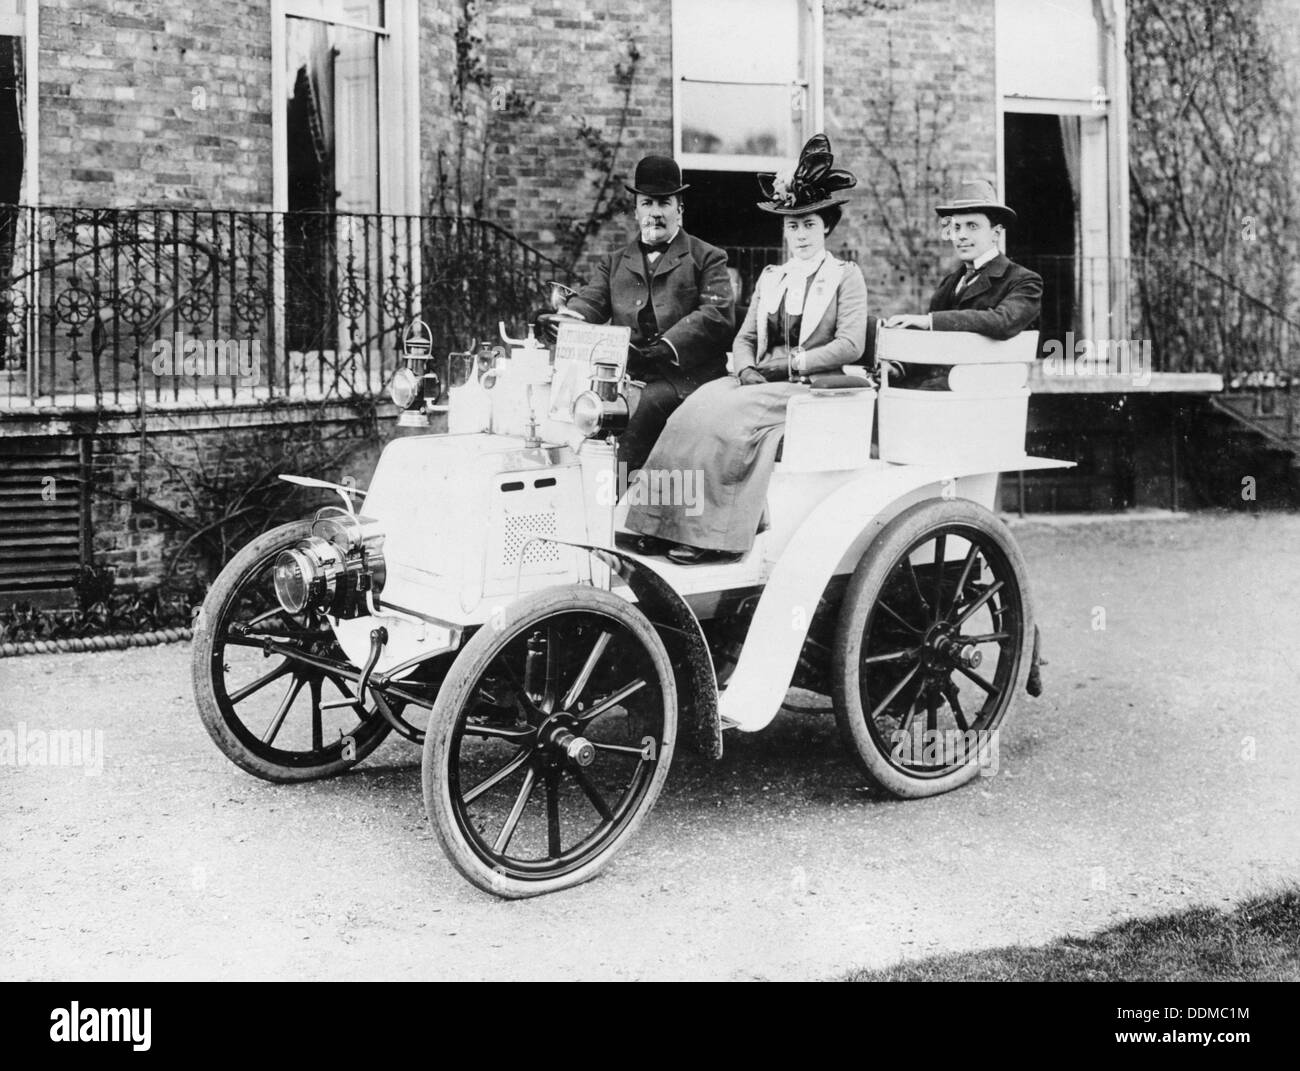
[
  {"x": 804, "y": 269},
  {"x": 984, "y": 258}
]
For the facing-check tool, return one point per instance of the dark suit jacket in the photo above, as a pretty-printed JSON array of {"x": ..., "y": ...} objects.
[
  {"x": 692, "y": 302},
  {"x": 1000, "y": 303}
]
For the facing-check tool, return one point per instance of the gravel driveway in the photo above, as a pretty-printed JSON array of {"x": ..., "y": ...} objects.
[{"x": 1157, "y": 772}]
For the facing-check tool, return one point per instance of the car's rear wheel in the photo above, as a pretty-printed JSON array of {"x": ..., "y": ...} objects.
[{"x": 932, "y": 646}]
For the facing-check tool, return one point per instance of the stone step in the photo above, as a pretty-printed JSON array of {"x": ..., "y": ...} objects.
[{"x": 1272, "y": 426}]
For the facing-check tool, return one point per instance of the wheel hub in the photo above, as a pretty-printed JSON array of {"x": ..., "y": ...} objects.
[
  {"x": 941, "y": 651},
  {"x": 558, "y": 740}
]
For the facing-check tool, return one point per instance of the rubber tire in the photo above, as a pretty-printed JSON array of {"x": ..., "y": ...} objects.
[
  {"x": 247, "y": 563},
  {"x": 470, "y": 664},
  {"x": 864, "y": 587}
]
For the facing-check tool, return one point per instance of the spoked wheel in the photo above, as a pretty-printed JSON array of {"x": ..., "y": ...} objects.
[
  {"x": 932, "y": 647},
  {"x": 550, "y": 741},
  {"x": 272, "y": 714}
]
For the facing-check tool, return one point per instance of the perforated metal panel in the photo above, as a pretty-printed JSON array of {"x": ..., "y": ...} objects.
[
  {"x": 525, "y": 504},
  {"x": 520, "y": 527}
]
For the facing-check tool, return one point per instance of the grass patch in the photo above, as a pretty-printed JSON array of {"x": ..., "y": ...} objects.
[{"x": 1258, "y": 941}]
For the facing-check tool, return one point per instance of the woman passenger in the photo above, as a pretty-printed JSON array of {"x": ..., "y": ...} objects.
[{"x": 806, "y": 316}]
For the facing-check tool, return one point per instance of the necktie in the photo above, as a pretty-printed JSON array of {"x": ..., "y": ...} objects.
[
  {"x": 970, "y": 276},
  {"x": 653, "y": 250}
]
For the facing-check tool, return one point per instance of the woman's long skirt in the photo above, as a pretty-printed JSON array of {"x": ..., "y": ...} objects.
[{"x": 705, "y": 482}]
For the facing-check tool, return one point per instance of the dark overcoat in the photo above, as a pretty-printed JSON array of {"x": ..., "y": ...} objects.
[{"x": 692, "y": 297}]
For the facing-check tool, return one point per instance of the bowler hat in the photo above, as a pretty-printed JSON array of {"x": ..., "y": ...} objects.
[
  {"x": 657, "y": 176},
  {"x": 977, "y": 195}
]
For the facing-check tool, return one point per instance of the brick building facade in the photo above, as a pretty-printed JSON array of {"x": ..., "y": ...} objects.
[
  {"x": 531, "y": 115},
  {"x": 888, "y": 75},
  {"x": 137, "y": 105},
  {"x": 527, "y": 114}
]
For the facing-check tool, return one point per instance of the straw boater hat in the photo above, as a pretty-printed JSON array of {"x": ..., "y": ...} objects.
[
  {"x": 657, "y": 176},
  {"x": 808, "y": 186},
  {"x": 977, "y": 195}
]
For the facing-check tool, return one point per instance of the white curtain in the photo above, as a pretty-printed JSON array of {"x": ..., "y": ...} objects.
[{"x": 1071, "y": 143}]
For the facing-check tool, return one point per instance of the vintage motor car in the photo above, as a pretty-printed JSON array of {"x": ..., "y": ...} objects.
[{"x": 475, "y": 600}]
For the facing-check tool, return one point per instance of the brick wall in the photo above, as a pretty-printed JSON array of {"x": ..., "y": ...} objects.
[
  {"x": 189, "y": 455},
  {"x": 937, "y": 52},
  {"x": 145, "y": 104},
  {"x": 562, "y": 56},
  {"x": 438, "y": 131},
  {"x": 935, "y": 55}
]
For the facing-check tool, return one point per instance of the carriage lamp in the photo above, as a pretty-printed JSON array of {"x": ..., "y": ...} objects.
[
  {"x": 414, "y": 387},
  {"x": 307, "y": 576},
  {"x": 601, "y": 411},
  {"x": 335, "y": 569}
]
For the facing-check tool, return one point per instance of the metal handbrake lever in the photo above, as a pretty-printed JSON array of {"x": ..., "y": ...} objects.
[{"x": 378, "y": 637}]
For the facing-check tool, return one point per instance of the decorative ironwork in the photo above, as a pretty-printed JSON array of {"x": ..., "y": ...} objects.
[
  {"x": 326, "y": 295},
  {"x": 136, "y": 305},
  {"x": 250, "y": 305},
  {"x": 399, "y": 298},
  {"x": 352, "y": 301},
  {"x": 13, "y": 311},
  {"x": 74, "y": 306},
  {"x": 195, "y": 306},
  {"x": 1194, "y": 319}
]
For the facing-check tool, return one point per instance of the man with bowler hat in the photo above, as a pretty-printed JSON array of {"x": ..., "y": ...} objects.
[
  {"x": 987, "y": 294},
  {"x": 673, "y": 291}
]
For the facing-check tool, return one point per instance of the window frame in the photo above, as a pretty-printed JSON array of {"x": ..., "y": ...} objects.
[
  {"x": 812, "y": 16},
  {"x": 398, "y": 104},
  {"x": 27, "y": 27},
  {"x": 1112, "y": 105}
]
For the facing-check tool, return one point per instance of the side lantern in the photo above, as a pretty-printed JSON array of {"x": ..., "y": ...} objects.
[
  {"x": 415, "y": 386},
  {"x": 602, "y": 411}
]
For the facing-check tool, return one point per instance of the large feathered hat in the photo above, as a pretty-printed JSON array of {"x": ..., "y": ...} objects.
[{"x": 808, "y": 186}]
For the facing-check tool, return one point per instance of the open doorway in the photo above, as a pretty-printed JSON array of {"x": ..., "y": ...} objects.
[
  {"x": 1044, "y": 237},
  {"x": 12, "y": 156},
  {"x": 722, "y": 209}
]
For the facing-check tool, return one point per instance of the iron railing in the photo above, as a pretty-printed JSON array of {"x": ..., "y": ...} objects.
[
  {"x": 139, "y": 307},
  {"x": 1195, "y": 319}
]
